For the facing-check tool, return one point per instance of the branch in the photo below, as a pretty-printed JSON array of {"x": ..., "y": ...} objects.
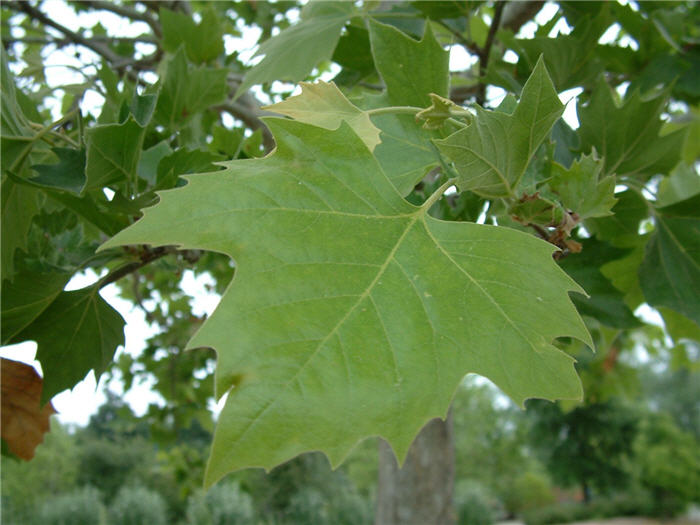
[
  {"x": 127, "y": 12},
  {"x": 117, "y": 61},
  {"x": 250, "y": 115},
  {"x": 60, "y": 42},
  {"x": 516, "y": 14},
  {"x": 471, "y": 46},
  {"x": 486, "y": 52},
  {"x": 147, "y": 255},
  {"x": 36, "y": 14},
  {"x": 459, "y": 94}
]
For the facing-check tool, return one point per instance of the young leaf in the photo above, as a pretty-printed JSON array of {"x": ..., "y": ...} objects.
[
  {"x": 323, "y": 104},
  {"x": 25, "y": 419},
  {"x": 295, "y": 51},
  {"x": 411, "y": 70},
  {"x": 354, "y": 313},
  {"x": 90, "y": 331},
  {"x": 581, "y": 188},
  {"x": 186, "y": 91},
  {"x": 492, "y": 153},
  {"x": 670, "y": 272},
  {"x": 438, "y": 112},
  {"x": 627, "y": 137}
]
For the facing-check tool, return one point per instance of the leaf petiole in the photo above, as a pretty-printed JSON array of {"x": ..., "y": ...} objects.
[
  {"x": 394, "y": 110},
  {"x": 438, "y": 194}
]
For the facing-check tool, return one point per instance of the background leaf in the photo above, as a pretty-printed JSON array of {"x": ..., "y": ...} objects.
[
  {"x": 67, "y": 174},
  {"x": 295, "y": 51},
  {"x": 411, "y": 70},
  {"x": 186, "y": 90},
  {"x": 90, "y": 332},
  {"x": 204, "y": 41},
  {"x": 627, "y": 137},
  {"x": 670, "y": 272},
  {"x": 25, "y": 297}
]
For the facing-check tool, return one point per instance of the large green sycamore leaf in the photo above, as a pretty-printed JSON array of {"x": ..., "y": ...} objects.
[
  {"x": 352, "y": 312},
  {"x": 670, "y": 272},
  {"x": 295, "y": 51},
  {"x": 492, "y": 153},
  {"x": 627, "y": 137}
]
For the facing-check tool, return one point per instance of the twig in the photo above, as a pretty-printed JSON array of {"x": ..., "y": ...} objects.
[
  {"x": 60, "y": 42},
  {"x": 516, "y": 14},
  {"x": 146, "y": 255},
  {"x": 471, "y": 46},
  {"x": 36, "y": 14},
  {"x": 117, "y": 61},
  {"x": 485, "y": 53},
  {"x": 127, "y": 12},
  {"x": 250, "y": 116},
  {"x": 459, "y": 94}
]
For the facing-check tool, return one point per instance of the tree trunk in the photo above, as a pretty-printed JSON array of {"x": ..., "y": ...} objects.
[{"x": 421, "y": 491}]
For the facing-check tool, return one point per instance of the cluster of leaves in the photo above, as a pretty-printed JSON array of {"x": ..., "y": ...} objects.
[{"x": 363, "y": 294}]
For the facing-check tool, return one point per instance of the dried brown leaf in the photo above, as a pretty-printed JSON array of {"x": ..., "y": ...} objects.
[{"x": 24, "y": 420}]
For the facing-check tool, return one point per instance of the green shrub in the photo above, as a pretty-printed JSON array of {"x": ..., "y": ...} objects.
[
  {"x": 223, "y": 504},
  {"x": 307, "y": 506},
  {"x": 81, "y": 507},
  {"x": 668, "y": 465},
  {"x": 348, "y": 507},
  {"x": 528, "y": 491},
  {"x": 137, "y": 506},
  {"x": 474, "y": 505},
  {"x": 311, "y": 506},
  {"x": 633, "y": 502},
  {"x": 558, "y": 513}
]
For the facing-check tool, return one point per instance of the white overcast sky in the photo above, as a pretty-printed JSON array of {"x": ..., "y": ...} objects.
[{"x": 76, "y": 406}]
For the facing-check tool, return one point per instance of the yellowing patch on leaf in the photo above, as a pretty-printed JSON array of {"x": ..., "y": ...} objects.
[
  {"x": 24, "y": 421},
  {"x": 323, "y": 104}
]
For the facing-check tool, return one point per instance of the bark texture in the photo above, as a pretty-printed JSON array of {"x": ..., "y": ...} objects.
[{"x": 419, "y": 493}]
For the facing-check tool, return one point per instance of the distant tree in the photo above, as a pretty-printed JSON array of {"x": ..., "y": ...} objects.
[{"x": 590, "y": 446}]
